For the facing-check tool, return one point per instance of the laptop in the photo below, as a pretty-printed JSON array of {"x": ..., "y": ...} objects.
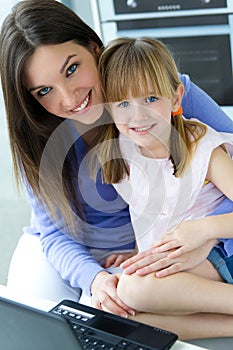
[
  {"x": 73, "y": 326},
  {"x": 96, "y": 329}
]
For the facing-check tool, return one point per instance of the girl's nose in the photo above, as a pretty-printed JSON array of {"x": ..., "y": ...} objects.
[{"x": 139, "y": 112}]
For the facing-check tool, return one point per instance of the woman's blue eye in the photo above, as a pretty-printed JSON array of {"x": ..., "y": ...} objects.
[
  {"x": 44, "y": 91},
  {"x": 151, "y": 99},
  {"x": 123, "y": 104},
  {"x": 71, "y": 69}
]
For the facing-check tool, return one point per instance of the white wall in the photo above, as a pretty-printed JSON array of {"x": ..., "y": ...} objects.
[{"x": 14, "y": 209}]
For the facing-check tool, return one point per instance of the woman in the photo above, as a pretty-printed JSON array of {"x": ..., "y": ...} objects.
[{"x": 54, "y": 109}]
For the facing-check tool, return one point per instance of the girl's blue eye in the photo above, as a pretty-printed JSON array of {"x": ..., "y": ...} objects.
[
  {"x": 151, "y": 99},
  {"x": 71, "y": 69},
  {"x": 44, "y": 91},
  {"x": 124, "y": 104}
]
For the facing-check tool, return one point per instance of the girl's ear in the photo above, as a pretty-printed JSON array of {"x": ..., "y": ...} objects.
[{"x": 176, "y": 102}]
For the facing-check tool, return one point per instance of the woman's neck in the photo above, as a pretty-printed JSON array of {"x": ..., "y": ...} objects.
[{"x": 88, "y": 132}]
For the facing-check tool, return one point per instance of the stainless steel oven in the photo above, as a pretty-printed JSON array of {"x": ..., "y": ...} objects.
[{"x": 199, "y": 33}]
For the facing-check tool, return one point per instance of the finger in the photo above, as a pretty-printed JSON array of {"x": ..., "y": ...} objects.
[
  {"x": 109, "y": 261},
  {"x": 140, "y": 264},
  {"x": 176, "y": 253},
  {"x": 149, "y": 264},
  {"x": 167, "y": 246},
  {"x": 146, "y": 270},
  {"x": 158, "y": 243},
  {"x": 119, "y": 260},
  {"x": 116, "y": 306},
  {"x": 160, "y": 264},
  {"x": 155, "y": 267},
  {"x": 125, "y": 307},
  {"x": 95, "y": 301},
  {"x": 132, "y": 260},
  {"x": 169, "y": 270}
]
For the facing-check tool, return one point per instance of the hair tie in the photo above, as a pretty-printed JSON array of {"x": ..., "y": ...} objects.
[{"x": 178, "y": 112}]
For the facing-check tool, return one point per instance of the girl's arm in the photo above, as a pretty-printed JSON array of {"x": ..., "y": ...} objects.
[
  {"x": 191, "y": 234},
  {"x": 197, "y": 104},
  {"x": 157, "y": 259}
]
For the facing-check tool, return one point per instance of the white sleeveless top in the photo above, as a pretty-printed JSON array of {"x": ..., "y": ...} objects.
[{"x": 157, "y": 199}]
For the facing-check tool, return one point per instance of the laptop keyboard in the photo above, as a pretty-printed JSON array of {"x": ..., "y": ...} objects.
[
  {"x": 89, "y": 342},
  {"x": 89, "y": 339}
]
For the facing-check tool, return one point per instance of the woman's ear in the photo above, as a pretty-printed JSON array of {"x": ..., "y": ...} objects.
[
  {"x": 176, "y": 101},
  {"x": 94, "y": 47}
]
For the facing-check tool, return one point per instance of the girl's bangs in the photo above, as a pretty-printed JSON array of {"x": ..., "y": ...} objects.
[{"x": 132, "y": 82}]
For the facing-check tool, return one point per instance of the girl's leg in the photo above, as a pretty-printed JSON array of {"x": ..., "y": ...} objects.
[
  {"x": 30, "y": 273},
  {"x": 177, "y": 294},
  {"x": 191, "y": 326}
]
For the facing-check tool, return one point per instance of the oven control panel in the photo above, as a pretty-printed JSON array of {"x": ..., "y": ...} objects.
[{"x": 139, "y": 6}]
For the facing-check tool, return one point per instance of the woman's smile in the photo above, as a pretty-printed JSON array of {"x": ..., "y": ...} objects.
[{"x": 83, "y": 105}]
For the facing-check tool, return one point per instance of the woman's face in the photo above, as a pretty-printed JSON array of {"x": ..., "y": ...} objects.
[{"x": 64, "y": 79}]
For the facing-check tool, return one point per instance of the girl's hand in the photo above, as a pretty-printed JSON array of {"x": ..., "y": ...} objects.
[
  {"x": 186, "y": 237},
  {"x": 148, "y": 262},
  {"x": 116, "y": 259},
  {"x": 143, "y": 261}
]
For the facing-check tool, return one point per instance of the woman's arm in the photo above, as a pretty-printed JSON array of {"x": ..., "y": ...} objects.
[
  {"x": 75, "y": 263},
  {"x": 72, "y": 260},
  {"x": 197, "y": 104}
]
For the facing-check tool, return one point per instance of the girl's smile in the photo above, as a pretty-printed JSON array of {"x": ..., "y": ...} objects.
[{"x": 142, "y": 130}]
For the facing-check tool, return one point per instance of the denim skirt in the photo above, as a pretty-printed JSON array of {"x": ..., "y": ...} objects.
[{"x": 222, "y": 263}]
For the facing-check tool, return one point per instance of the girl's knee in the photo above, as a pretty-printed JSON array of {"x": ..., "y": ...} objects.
[
  {"x": 133, "y": 289},
  {"x": 127, "y": 288}
]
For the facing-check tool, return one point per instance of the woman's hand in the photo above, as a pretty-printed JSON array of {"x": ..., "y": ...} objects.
[
  {"x": 104, "y": 295},
  {"x": 159, "y": 263},
  {"x": 116, "y": 259},
  {"x": 188, "y": 236}
]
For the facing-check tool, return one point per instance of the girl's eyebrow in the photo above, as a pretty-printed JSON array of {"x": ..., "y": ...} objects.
[{"x": 61, "y": 71}]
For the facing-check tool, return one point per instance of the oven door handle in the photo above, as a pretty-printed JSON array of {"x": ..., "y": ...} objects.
[{"x": 222, "y": 29}]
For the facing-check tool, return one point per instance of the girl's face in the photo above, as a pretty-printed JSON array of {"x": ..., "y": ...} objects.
[
  {"x": 64, "y": 79},
  {"x": 147, "y": 121}
]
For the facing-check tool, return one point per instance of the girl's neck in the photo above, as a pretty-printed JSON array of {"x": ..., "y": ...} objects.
[
  {"x": 158, "y": 153},
  {"x": 160, "y": 148}
]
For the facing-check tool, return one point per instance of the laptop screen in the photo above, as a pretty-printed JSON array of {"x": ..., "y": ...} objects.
[{"x": 23, "y": 328}]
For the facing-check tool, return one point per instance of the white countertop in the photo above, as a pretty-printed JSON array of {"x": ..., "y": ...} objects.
[{"x": 47, "y": 305}]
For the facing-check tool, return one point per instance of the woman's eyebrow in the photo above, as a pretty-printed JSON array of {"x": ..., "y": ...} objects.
[
  {"x": 61, "y": 71},
  {"x": 66, "y": 62},
  {"x": 35, "y": 88}
]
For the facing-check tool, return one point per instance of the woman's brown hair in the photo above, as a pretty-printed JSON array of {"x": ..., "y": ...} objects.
[{"x": 30, "y": 24}]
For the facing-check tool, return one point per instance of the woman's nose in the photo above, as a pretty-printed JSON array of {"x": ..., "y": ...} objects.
[{"x": 68, "y": 97}]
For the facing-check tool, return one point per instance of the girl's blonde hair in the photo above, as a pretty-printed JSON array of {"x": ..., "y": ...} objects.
[{"x": 130, "y": 66}]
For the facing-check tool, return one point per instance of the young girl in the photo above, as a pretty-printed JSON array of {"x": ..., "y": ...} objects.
[{"x": 173, "y": 172}]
